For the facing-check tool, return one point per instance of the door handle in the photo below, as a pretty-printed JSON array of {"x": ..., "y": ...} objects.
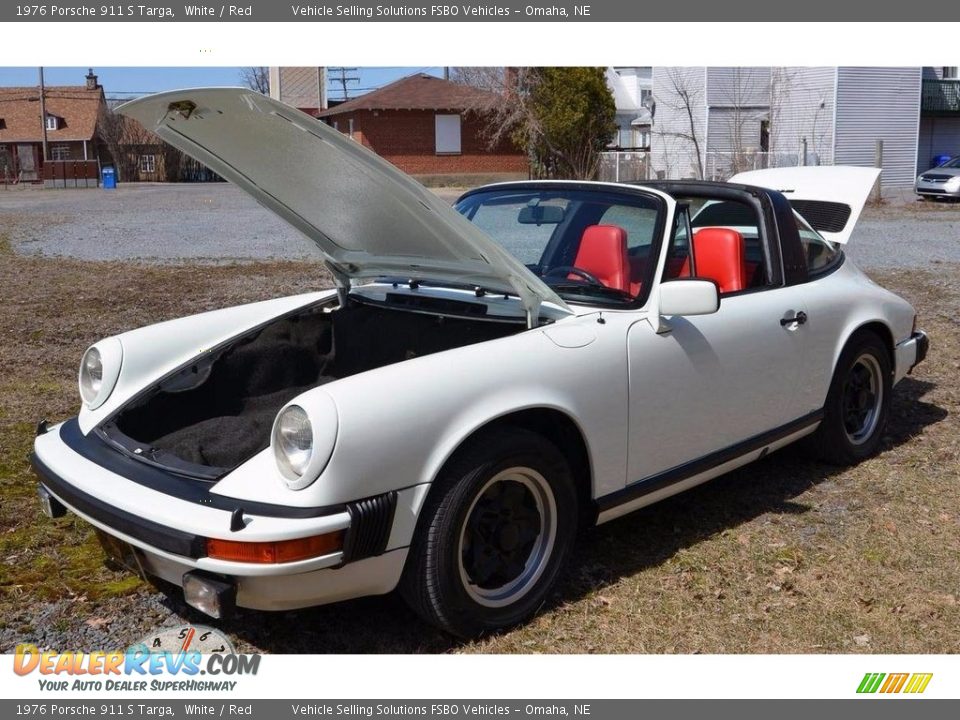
[{"x": 800, "y": 318}]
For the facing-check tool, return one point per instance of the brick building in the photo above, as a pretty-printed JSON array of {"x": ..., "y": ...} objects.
[
  {"x": 71, "y": 119},
  {"x": 425, "y": 126}
]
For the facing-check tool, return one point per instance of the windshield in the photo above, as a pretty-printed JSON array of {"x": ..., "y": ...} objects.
[
  {"x": 955, "y": 163},
  {"x": 589, "y": 245}
]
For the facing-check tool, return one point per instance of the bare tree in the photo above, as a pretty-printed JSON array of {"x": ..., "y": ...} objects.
[
  {"x": 781, "y": 87},
  {"x": 126, "y": 140},
  {"x": 256, "y": 78},
  {"x": 6, "y": 165},
  {"x": 684, "y": 97},
  {"x": 741, "y": 100},
  {"x": 818, "y": 131},
  {"x": 743, "y": 106},
  {"x": 506, "y": 105},
  {"x": 808, "y": 119},
  {"x": 110, "y": 131}
]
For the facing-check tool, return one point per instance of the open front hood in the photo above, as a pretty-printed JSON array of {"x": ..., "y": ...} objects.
[
  {"x": 367, "y": 217},
  {"x": 830, "y": 198}
]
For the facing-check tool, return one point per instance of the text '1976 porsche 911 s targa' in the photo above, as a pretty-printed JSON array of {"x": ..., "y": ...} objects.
[{"x": 482, "y": 380}]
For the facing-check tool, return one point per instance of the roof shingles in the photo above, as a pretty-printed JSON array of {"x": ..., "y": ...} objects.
[
  {"x": 77, "y": 109},
  {"x": 415, "y": 92}
]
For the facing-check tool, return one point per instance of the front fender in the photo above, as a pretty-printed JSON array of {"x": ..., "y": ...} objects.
[{"x": 399, "y": 424}]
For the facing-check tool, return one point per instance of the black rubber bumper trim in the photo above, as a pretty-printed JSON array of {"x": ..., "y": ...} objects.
[
  {"x": 97, "y": 451},
  {"x": 683, "y": 472},
  {"x": 923, "y": 347},
  {"x": 371, "y": 522},
  {"x": 153, "y": 534}
]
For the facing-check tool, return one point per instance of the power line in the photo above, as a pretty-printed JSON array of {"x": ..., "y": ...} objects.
[{"x": 344, "y": 78}]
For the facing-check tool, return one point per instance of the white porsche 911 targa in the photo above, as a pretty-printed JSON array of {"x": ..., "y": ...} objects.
[{"x": 482, "y": 380}]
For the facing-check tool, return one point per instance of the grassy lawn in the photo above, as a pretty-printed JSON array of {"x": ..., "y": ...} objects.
[{"x": 785, "y": 555}]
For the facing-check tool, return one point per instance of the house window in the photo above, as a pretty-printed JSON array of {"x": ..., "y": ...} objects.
[
  {"x": 60, "y": 152},
  {"x": 148, "y": 163},
  {"x": 350, "y": 127},
  {"x": 950, "y": 73},
  {"x": 447, "y": 134},
  {"x": 336, "y": 125},
  {"x": 3, "y": 124},
  {"x": 53, "y": 122}
]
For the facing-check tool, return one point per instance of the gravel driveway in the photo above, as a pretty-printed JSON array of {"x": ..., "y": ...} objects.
[
  {"x": 159, "y": 223},
  {"x": 218, "y": 222}
]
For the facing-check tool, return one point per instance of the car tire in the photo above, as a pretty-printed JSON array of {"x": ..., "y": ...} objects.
[
  {"x": 493, "y": 535},
  {"x": 858, "y": 402}
]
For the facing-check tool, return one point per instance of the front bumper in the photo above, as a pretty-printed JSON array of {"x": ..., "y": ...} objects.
[
  {"x": 170, "y": 533},
  {"x": 935, "y": 189},
  {"x": 910, "y": 353}
]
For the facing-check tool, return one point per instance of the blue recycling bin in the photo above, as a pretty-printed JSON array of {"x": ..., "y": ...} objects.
[
  {"x": 940, "y": 160},
  {"x": 109, "y": 177}
]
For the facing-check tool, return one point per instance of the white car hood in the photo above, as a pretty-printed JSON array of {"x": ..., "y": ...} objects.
[
  {"x": 368, "y": 218},
  {"x": 849, "y": 186}
]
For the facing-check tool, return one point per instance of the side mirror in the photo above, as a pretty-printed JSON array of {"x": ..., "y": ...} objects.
[{"x": 689, "y": 297}]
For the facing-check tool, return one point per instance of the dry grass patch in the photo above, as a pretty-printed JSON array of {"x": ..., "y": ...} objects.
[{"x": 786, "y": 555}]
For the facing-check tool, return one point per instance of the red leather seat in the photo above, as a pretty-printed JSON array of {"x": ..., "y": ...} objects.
[
  {"x": 603, "y": 254},
  {"x": 720, "y": 255}
]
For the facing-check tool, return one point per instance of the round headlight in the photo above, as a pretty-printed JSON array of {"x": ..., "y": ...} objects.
[
  {"x": 293, "y": 441},
  {"x": 91, "y": 375}
]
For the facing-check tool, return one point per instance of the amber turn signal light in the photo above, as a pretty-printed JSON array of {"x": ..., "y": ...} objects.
[{"x": 280, "y": 551}]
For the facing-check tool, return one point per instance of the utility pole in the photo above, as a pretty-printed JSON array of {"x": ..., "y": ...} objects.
[
  {"x": 43, "y": 116},
  {"x": 344, "y": 77},
  {"x": 877, "y": 192}
]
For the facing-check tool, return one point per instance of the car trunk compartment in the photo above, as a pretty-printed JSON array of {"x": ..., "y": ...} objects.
[{"x": 217, "y": 412}]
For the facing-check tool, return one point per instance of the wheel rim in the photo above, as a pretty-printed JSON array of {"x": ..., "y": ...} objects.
[
  {"x": 862, "y": 399},
  {"x": 507, "y": 537}
]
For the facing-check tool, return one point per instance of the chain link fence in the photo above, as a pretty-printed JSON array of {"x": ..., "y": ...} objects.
[
  {"x": 637, "y": 166},
  {"x": 624, "y": 166},
  {"x": 724, "y": 165}
]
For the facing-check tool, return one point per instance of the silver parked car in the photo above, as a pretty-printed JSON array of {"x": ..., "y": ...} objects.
[{"x": 941, "y": 181}]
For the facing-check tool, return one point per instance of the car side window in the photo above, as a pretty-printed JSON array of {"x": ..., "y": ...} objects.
[
  {"x": 728, "y": 246},
  {"x": 639, "y": 223},
  {"x": 678, "y": 252},
  {"x": 820, "y": 254}
]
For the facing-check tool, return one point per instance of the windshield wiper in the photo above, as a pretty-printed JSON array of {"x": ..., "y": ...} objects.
[{"x": 414, "y": 283}]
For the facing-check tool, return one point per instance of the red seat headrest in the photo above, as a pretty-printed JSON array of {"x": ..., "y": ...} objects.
[
  {"x": 603, "y": 254},
  {"x": 720, "y": 255}
]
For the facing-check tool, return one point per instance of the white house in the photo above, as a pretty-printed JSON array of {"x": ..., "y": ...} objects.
[
  {"x": 632, "y": 88},
  {"x": 839, "y": 114},
  {"x": 712, "y": 122},
  {"x": 708, "y": 119}
]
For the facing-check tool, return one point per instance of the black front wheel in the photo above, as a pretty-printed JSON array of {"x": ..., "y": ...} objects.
[{"x": 494, "y": 533}]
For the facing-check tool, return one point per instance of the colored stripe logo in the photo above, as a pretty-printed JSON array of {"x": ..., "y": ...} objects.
[{"x": 912, "y": 683}]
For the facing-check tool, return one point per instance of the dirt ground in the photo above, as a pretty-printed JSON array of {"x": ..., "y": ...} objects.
[{"x": 785, "y": 555}]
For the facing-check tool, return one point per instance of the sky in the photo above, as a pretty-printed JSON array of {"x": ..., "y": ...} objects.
[{"x": 129, "y": 82}]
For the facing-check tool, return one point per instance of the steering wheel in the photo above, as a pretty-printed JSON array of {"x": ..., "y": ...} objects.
[{"x": 571, "y": 270}]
